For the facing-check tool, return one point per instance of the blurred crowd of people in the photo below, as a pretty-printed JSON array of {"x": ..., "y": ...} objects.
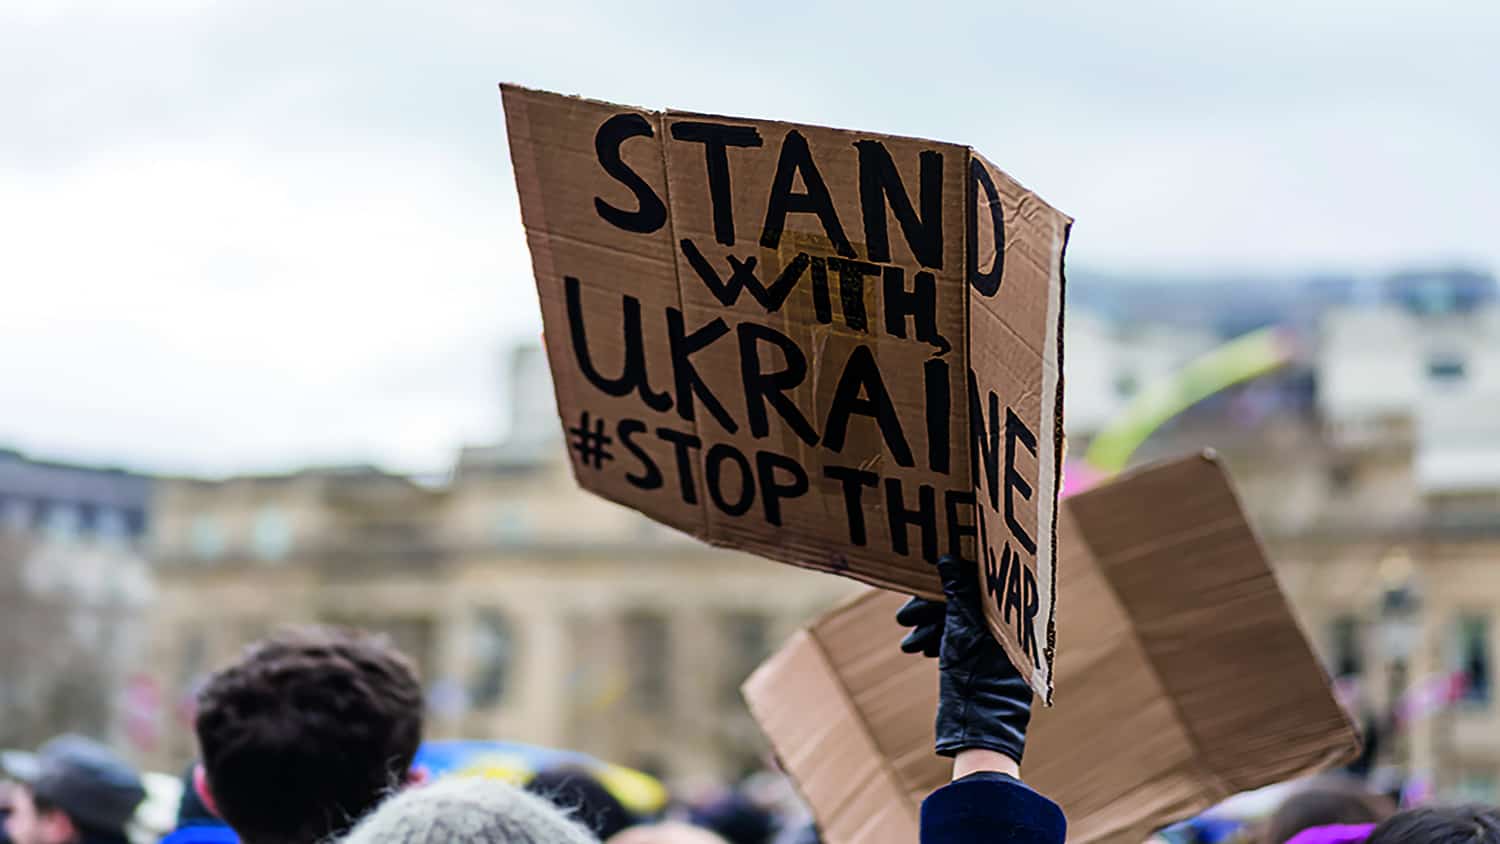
[
  {"x": 309, "y": 732},
  {"x": 312, "y": 737}
]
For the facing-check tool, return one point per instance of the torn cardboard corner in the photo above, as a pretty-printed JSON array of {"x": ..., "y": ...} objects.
[
  {"x": 835, "y": 349},
  {"x": 1186, "y": 679}
]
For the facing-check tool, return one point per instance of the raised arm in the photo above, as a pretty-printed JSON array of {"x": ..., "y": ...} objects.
[{"x": 984, "y": 707}]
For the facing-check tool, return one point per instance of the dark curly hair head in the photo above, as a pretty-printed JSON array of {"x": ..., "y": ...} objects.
[
  {"x": 307, "y": 733},
  {"x": 1447, "y": 825},
  {"x": 1333, "y": 800}
]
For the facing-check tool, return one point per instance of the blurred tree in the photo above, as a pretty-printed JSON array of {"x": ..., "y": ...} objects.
[{"x": 51, "y": 681}]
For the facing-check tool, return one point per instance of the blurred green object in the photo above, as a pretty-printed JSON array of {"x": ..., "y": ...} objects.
[
  {"x": 1245, "y": 357},
  {"x": 517, "y": 763}
]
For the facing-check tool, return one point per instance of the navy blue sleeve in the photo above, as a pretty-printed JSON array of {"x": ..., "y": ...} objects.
[{"x": 991, "y": 808}]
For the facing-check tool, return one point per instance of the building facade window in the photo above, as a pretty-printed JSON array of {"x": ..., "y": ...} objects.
[
  {"x": 494, "y": 657},
  {"x": 648, "y": 649},
  {"x": 1472, "y": 653},
  {"x": 748, "y": 636},
  {"x": 1476, "y": 785},
  {"x": 271, "y": 535},
  {"x": 192, "y": 658},
  {"x": 88, "y": 517},
  {"x": 1446, "y": 369},
  {"x": 1341, "y": 478},
  {"x": 135, "y": 523},
  {"x": 1345, "y": 647},
  {"x": 63, "y": 522},
  {"x": 15, "y": 515},
  {"x": 206, "y": 538},
  {"x": 512, "y": 523},
  {"x": 110, "y": 527}
]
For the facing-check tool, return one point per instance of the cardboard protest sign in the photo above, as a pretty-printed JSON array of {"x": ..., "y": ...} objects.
[
  {"x": 1185, "y": 679},
  {"x": 835, "y": 349}
]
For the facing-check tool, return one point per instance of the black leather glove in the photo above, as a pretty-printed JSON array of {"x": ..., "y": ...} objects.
[
  {"x": 926, "y": 620},
  {"x": 983, "y": 702}
]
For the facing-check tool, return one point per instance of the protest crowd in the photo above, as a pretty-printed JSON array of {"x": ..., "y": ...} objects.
[
  {"x": 942, "y": 370},
  {"x": 311, "y": 738}
]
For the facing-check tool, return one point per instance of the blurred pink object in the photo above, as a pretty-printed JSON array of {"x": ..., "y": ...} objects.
[
  {"x": 1079, "y": 476},
  {"x": 1418, "y": 790},
  {"x": 1333, "y": 834},
  {"x": 1431, "y": 695}
]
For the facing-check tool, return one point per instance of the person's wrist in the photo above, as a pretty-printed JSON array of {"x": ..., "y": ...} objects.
[{"x": 973, "y": 760}]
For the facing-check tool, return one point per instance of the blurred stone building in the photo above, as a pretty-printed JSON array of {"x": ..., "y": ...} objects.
[
  {"x": 1400, "y": 572},
  {"x": 1371, "y": 466},
  {"x": 536, "y": 612}
]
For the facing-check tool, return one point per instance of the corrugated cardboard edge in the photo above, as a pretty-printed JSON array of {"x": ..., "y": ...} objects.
[
  {"x": 814, "y": 737},
  {"x": 1050, "y": 471},
  {"x": 1060, "y": 449}
]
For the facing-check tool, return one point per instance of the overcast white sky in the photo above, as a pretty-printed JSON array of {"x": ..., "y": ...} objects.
[{"x": 244, "y": 236}]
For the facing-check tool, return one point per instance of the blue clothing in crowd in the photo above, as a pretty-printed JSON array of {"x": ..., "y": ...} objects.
[
  {"x": 202, "y": 833},
  {"x": 987, "y": 808}
]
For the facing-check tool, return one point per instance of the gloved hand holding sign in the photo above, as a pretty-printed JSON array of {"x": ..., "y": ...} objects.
[{"x": 983, "y": 702}]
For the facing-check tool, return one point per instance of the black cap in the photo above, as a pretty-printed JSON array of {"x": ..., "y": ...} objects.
[{"x": 82, "y": 777}]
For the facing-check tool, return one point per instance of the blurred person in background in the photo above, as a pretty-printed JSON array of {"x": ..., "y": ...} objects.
[
  {"x": 666, "y": 833},
  {"x": 584, "y": 798},
  {"x": 1202, "y": 829},
  {"x": 306, "y": 734},
  {"x": 1451, "y": 825},
  {"x": 1328, "y": 810},
  {"x": 196, "y": 823},
  {"x": 803, "y": 832},
  {"x": 468, "y": 810},
  {"x": 737, "y": 819},
  {"x": 6, "y": 789},
  {"x": 74, "y": 790}
]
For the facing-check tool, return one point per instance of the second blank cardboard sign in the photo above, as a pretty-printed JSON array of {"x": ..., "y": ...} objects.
[{"x": 1186, "y": 678}]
